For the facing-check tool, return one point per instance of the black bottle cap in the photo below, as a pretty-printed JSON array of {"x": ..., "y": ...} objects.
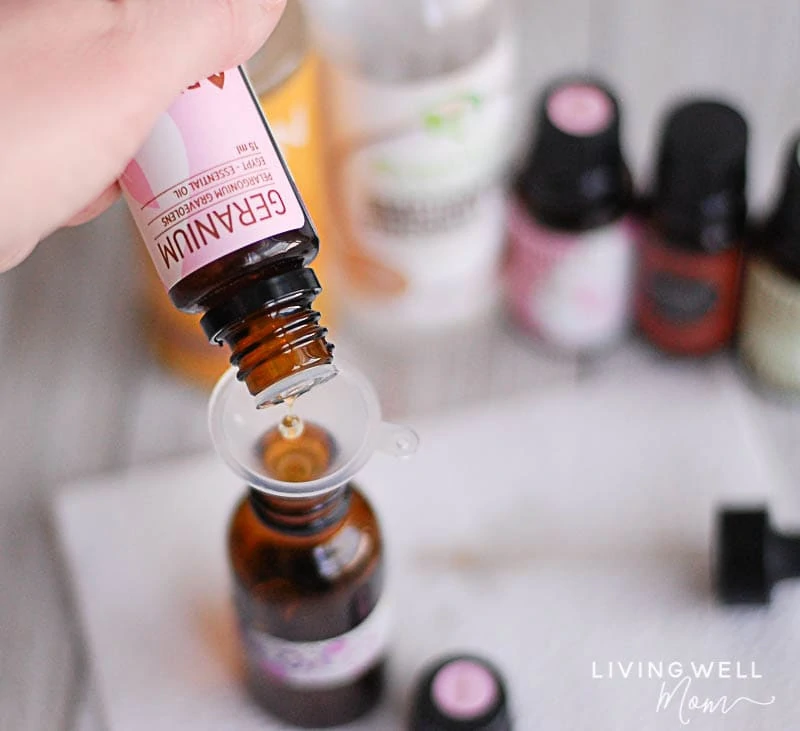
[
  {"x": 262, "y": 293},
  {"x": 741, "y": 567},
  {"x": 460, "y": 693},
  {"x": 701, "y": 175},
  {"x": 783, "y": 227},
  {"x": 752, "y": 557},
  {"x": 575, "y": 176}
]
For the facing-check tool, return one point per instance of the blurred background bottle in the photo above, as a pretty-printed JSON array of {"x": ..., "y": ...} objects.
[
  {"x": 285, "y": 76},
  {"x": 419, "y": 97},
  {"x": 691, "y": 253},
  {"x": 770, "y": 328},
  {"x": 569, "y": 271}
]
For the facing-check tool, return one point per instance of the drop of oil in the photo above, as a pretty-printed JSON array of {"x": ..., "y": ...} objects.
[{"x": 291, "y": 426}]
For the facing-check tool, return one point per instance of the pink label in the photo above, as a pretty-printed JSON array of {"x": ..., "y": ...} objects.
[
  {"x": 580, "y": 109},
  {"x": 208, "y": 180},
  {"x": 464, "y": 689},
  {"x": 326, "y": 663},
  {"x": 573, "y": 290}
]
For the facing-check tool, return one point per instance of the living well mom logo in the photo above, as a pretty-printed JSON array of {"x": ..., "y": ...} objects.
[{"x": 678, "y": 685}]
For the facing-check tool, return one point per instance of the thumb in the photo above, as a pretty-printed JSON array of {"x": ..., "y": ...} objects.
[{"x": 80, "y": 107}]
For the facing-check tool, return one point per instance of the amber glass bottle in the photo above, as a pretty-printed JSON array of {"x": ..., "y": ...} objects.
[
  {"x": 285, "y": 76},
  {"x": 308, "y": 576},
  {"x": 230, "y": 237}
]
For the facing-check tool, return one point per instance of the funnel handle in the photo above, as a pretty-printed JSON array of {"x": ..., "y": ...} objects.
[{"x": 397, "y": 440}]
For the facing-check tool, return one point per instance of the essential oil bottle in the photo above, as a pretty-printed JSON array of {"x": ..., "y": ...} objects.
[
  {"x": 769, "y": 340},
  {"x": 305, "y": 547},
  {"x": 285, "y": 76},
  {"x": 570, "y": 265},
  {"x": 308, "y": 578},
  {"x": 230, "y": 236},
  {"x": 691, "y": 253}
]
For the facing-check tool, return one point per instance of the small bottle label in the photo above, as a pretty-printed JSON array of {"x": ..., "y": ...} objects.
[
  {"x": 687, "y": 301},
  {"x": 572, "y": 290},
  {"x": 209, "y": 179},
  {"x": 324, "y": 664},
  {"x": 681, "y": 300}
]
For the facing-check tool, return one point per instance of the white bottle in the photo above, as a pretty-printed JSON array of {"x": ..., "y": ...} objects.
[{"x": 421, "y": 115}]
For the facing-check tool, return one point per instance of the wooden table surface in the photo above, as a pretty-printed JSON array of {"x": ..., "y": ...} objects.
[{"x": 81, "y": 396}]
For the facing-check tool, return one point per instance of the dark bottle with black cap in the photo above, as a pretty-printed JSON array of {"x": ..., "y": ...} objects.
[
  {"x": 571, "y": 250},
  {"x": 751, "y": 557},
  {"x": 460, "y": 693},
  {"x": 770, "y": 328},
  {"x": 691, "y": 252}
]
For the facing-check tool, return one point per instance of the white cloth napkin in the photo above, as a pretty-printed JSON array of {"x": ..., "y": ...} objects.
[{"x": 564, "y": 536}]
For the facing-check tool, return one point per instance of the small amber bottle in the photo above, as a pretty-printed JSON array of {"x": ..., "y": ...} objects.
[
  {"x": 305, "y": 547},
  {"x": 285, "y": 75},
  {"x": 230, "y": 236},
  {"x": 308, "y": 576}
]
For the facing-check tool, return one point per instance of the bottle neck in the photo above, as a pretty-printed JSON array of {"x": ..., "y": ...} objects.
[
  {"x": 281, "y": 352},
  {"x": 277, "y": 343},
  {"x": 301, "y": 516}
]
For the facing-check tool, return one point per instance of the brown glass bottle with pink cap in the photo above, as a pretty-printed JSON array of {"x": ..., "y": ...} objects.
[{"x": 570, "y": 262}]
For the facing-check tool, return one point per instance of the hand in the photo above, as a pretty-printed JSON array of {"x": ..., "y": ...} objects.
[{"x": 82, "y": 84}]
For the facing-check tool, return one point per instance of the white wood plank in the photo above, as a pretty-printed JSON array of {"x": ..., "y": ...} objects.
[
  {"x": 69, "y": 352},
  {"x": 38, "y": 646},
  {"x": 778, "y": 417},
  {"x": 482, "y": 362},
  {"x": 88, "y": 716},
  {"x": 555, "y": 39},
  {"x": 654, "y": 52},
  {"x": 73, "y": 347},
  {"x": 167, "y": 418}
]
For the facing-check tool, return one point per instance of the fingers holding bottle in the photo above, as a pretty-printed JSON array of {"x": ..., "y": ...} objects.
[{"x": 77, "y": 108}]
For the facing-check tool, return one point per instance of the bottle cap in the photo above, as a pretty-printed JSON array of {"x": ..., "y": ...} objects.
[
  {"x": 460, "y": 693},
  {"x": 783, "y": 227},
  {"x": 345, "y": 407},
  {"x": 575, "y": 175},
  {"x": 751, "y": 556},
  {"x": 701, "y": 174},
  {"x": 741, "y": 569}
]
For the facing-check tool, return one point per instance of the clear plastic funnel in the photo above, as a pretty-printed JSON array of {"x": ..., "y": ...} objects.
[{"x": 345, "y": 407}]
